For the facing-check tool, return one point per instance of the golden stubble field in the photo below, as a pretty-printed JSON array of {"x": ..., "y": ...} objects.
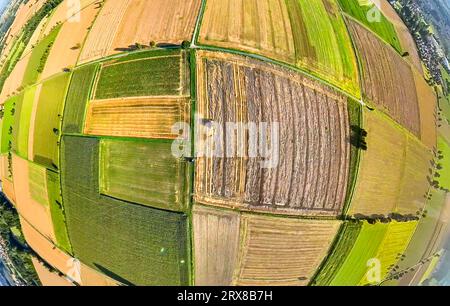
[
  {"x": 147, "y": 117},
  {"x": 120, "y": 26}
]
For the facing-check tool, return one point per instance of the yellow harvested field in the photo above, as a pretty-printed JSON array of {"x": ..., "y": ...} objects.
[
  {"x": 381, "y": 167},
  {"x": 101, "y": 36},
  {"x": 49, "y": 278},
  {"x": 290, "y": 250},
  {"x": 67, "y": 46},
  {"x": 137, "y": 117},
  {"x": 216, "y": 245},
  {"x": 61, "y": 261},
  {"x": 146, "y": 21},
  {"x": 28, "y": 196},
  {"x": 428, "y": 111},
  {"x": 415, "y": 184},
  {"x": 14, "y": 81},
  {"x": 226, "y": 24}
]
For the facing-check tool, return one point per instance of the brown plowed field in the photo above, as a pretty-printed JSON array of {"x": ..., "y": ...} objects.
[
  {"x": 388, "y": 80},
  {"x": 312, "y": 170}
]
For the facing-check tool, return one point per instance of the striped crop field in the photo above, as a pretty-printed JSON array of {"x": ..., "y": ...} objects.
[
  {"x": 309, "y": 178},
  {"x": 144, "y": 173},
  {"x": 215, "y": 255},
  {"x": 163, "y": 73},
  {"x": 291, "y": 250},
  {"x": 134, "y": 244},
  {"x": 153, "y": 21},
  {"x": 393, "y": 246},
  {"x": 388, "y": 80},
  {"x": 308, "y": 34},
  {"x": 24, "y": 117},
  {"x": 423, "y": 237},
  {"x": 364, "y": 11},
  {"x": 77, "y": 98},
  {"x": 137, "y": 117},
  {"x": 48, "y": 121},
  {"x": 392, "y": 172},
  {"x": 347, "y": 236},
  {"x": 103, "y": 31},
  {"x": 365, "y": 248}
]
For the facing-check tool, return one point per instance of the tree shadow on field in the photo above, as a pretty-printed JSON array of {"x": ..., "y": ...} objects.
[
  {"x": 358, "y": 137},
  {"x": 138, "y": 46},
  {"x": 113, "y": 275}
]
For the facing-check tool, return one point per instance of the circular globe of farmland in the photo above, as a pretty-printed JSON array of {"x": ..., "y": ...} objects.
[{"x": 219, "y": 142}]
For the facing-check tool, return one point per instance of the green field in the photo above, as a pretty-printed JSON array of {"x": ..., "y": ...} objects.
[
  {"x": 77, "y": 98},
  {"x": 444, "y": 179},
  {"x": 322, "y": 43},
  {"x": 355, "y": 118},
  {"x": 156, "y": 76},
  {"x": 48, "y": 121},
  {"x": 363, "y": 11},
  {"x": 25, "y": 117},
  {"x": 423, "y": 236},
  {"x": 39, "y": 57},
  {"x": 366, "y": 246},
  {"x": 347, "y": 237},
  {"x": 131, "y": 243},
  {"x": 394, "y": 244},
  {"x": 7, "y": 123},
  {"x": 57, "y": 211},
  {"x": 144, "y": 173},
  {"x": 17, "y": 122}
]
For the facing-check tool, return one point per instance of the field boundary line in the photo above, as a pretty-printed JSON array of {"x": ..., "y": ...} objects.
[
  {"x": 198, "y": 24},
  {"x": 105, "y": 64}
]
